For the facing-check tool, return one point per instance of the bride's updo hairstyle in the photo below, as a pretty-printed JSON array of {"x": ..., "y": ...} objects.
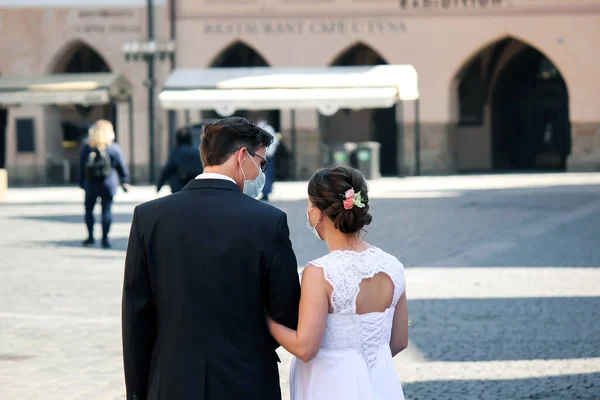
[{"x": 328, "y": 191}]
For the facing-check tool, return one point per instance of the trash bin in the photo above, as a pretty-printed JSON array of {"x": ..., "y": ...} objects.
[
  {"x": 338, "y": 155},
  {"x": 351, "y": 153},
  {"x": 367, "y": 159}
]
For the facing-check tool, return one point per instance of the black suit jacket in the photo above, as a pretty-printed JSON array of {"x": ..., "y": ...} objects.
[{"x": 203, "y": 266}]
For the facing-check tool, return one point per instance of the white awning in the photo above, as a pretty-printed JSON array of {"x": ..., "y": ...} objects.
[
  {"x": 328, "y": 90},
  {"x": 63, "y": 89}
]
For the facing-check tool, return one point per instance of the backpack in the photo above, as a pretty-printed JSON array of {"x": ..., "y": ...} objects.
[
  {"x": 98, "y": 166},
  {"x": 189, "y": 167}
]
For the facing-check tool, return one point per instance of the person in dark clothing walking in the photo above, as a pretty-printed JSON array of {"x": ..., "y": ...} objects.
[
  {"x": 184, "y": 163},
  {"x": 102, "y": 171}
]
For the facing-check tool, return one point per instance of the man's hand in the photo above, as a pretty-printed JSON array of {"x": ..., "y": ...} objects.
[{"x": 126, "y": 187}]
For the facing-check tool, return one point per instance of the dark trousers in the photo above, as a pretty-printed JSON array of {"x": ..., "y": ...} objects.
[
  {"x": 91, "y": 198},
  {"x": 269, "y": 177}
]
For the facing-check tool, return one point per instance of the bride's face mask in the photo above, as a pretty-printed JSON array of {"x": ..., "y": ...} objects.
[{"x": 309, "y": 224}]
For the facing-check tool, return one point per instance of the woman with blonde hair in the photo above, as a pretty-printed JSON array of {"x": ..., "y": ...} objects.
[{"x": 102, "y": 170}]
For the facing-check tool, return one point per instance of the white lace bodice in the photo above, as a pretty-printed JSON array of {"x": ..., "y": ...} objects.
[{"x": 345, "y": 330}]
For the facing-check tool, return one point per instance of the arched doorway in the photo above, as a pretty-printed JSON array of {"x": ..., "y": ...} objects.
[
  {"x": 377, "y": 125},
  {"x": 78, "y": 57},
  {"x": 239, "y": 54},
  {"x": 526, "y": 98},
  {"x": 531, "y": 128},
  {"x": 81, "y": 58}
]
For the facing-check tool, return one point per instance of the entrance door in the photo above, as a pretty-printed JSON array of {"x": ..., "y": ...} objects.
[
  {"x": 519, "y": 142},
  {"x": 551, "y": 126},
  {"x": 3, "y": 120},
  {"x": 386, "y": 133},
  {"x": 536, "y": 126}
]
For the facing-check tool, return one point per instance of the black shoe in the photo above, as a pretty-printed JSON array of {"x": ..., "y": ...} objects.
[
  {"x": 89, "y": 242},
  {"x": 265, "y": 198},
  {"x": 106, "y": 244}
]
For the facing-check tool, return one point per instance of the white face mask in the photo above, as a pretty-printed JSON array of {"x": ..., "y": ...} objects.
[
  {"x": 313, "y": 228},
  {"x": 254, "y": 187}
]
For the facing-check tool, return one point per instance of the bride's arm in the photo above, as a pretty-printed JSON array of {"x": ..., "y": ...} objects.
[
  {"x": 399, "y": 340},
  {"x": 314, "y": 306}
]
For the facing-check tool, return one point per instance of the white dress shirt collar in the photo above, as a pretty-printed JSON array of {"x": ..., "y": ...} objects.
[{"x": 212, "y": 175}]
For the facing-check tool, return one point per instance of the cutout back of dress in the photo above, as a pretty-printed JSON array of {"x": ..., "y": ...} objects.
[
  {"x": 375, "y": 294},
  {"x": 366, "y": 287},
  {"x": 362, "y": 280}
]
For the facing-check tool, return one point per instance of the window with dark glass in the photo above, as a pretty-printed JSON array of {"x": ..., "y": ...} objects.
[{"x": 25, "y": 135}]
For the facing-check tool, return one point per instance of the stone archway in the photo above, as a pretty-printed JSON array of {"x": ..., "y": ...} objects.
[
  {"x": 79, "y": 57},
  {"x": 240, "y": 54},
  {"x": 513, "y": 110},
  {"x": 377, "y": 125}
]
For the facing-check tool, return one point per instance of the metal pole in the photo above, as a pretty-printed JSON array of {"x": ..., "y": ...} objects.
[
  {"x": 171, "y": 117},
  {"x": 417, "y": 140},
  {"x": 400, "y": 133},
  {"x": 3, "y": 123},
  {"x": 294, "y": 144},
  {"x": 173, "y": 30},
  {"x": 131, "y": 142},
  {"x": 150, "y": 84}
]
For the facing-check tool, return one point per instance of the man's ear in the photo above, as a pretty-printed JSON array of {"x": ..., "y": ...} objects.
[{"x": 240, "y": 155}]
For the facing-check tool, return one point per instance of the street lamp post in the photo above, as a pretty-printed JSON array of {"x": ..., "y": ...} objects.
[
  {"x": 147, "y": 51},
  {"x": 150, "y": 85}
]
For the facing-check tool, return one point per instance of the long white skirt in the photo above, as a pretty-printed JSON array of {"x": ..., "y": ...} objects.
[{"x": 344, "y": 375}]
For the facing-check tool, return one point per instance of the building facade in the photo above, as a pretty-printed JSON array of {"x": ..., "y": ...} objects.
[
  {"x": 504, "y": 84},
  {"x": 40, "y": 144}
]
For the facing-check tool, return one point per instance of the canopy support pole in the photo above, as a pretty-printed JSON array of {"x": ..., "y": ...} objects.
[
  {"x": 417, "y": 140},
  {"x": 294, "y": 143},
  {"x": 400, "y": 133}
]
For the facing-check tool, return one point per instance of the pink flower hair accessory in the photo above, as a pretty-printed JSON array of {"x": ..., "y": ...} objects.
[{"x": 352, "y": 199}]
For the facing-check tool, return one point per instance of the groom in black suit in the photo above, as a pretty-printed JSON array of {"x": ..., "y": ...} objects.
[{"x": 203, "y": 267}]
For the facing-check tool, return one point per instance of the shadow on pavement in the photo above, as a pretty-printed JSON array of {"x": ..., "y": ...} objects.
[
  {"x": 423, "y": 231},
  {"x": 562, "y": 387},
  {"x": 506, "y": 328},
  {"x": 60, "y": 203},
  {"x": 118, "y": 244},
  {"x": 118, "y": 218},
  {"x": 109, "y": 255}
]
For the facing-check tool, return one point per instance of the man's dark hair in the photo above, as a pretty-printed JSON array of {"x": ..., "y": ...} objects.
[
  {"x": 227, "y": 135},
  {"x": 183, "y": 136}
]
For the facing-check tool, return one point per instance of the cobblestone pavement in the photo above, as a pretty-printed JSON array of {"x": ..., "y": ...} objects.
[{"x": 503, "y": 279}]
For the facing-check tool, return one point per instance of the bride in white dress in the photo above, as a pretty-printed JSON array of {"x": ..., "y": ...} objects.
[{"x": 353, "y": 309}]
